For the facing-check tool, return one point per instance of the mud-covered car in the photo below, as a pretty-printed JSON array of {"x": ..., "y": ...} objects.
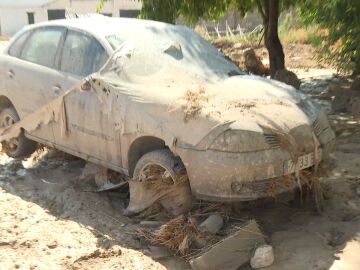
[{"x": 159, "y": 105}]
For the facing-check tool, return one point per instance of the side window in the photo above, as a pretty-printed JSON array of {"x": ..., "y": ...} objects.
[
  {"x": 16, "y": 47},
  {"x": 82, "y": 54},
  {"x": 41, "y": 47}
]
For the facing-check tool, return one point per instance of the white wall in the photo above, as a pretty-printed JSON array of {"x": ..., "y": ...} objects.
[
  {"x": 126, "y": 4},
  {"x": 13, "y": 19},
  {"x": 111, "y": 6},
  {"x": 89, "y": 6}
]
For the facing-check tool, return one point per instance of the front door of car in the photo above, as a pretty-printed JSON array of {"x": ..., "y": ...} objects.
[
  {"x": 91, "y": 132},
  {"x": 33, "y": 76}
]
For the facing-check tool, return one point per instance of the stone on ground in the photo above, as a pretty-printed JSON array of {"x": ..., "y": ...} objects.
[
  {"x": 157, "y": 252},
  {"x": 263, "y": 257},
  {"x": 212, "y": 224},
  {"x": 253, "y": 63}
]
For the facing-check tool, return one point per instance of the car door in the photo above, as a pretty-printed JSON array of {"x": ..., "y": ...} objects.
[
  {"x": 32, "y": 75},
  {"x": 90, "y": 131}
]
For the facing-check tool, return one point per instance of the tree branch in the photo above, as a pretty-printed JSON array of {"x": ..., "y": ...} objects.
[
  {"x": 261, "y": 10},
  {"x": 267, "y": 9}
]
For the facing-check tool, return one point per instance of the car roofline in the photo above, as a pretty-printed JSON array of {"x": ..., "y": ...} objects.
[{"x": 85, "y": 23}]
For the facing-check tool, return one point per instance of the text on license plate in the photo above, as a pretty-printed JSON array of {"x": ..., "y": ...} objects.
[{"x": 305, "y": 161}]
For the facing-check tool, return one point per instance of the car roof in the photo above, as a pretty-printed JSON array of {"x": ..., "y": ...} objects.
[{"x": 100, "y": 25}]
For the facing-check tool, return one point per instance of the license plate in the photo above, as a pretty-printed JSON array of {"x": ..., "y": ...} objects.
[{"x": 305, "y": 161}]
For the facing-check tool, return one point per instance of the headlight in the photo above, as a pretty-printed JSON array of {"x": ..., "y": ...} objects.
[{"x": 237, "y": 141}]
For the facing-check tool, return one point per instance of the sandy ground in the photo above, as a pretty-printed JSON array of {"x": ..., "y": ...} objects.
[{"x": 49, "y": 219}]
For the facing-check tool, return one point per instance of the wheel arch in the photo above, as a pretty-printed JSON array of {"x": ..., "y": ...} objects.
[
  {"x": 5, "y": 102},
  {"x": 140, "y": 146}
]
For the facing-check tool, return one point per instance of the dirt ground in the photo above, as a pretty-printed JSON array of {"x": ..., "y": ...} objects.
[
  {"x": 296, "y": 56},
  {"x": 50, "y": 219}
]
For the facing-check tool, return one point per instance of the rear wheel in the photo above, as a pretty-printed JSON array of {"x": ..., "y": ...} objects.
[{"x": 20, "y": 146}]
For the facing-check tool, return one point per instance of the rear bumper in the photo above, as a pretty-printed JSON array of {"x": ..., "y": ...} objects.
[{"x": 223, "y": 176}]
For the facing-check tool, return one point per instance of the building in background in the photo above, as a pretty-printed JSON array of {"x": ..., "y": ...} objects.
[{"x": 14, "y": 14}]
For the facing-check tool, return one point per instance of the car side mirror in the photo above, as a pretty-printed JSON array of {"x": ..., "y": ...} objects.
[{"x": 174, "y": 50}]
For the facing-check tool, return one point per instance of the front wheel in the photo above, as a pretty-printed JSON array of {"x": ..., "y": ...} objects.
[
  {"x": 20, "y": 146},
  {"x": 160, "y": 177}
]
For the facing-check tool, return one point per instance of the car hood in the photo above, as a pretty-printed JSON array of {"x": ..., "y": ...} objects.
[
  {"x": 254, "y": 87},
  {"x": 189, "y": 108}
]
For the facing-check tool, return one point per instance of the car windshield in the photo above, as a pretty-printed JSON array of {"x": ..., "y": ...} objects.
[{"x": 158, "y": 48}]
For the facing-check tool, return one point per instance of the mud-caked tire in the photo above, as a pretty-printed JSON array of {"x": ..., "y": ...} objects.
[
  {"x": 173, "y": 179},
  {"x": 163, "y": 158},
  {"x": 21, "y": 146}
]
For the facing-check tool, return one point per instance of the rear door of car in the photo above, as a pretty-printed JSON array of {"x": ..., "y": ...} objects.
[
  {"x": 90, "y": 131},
  {"x": 32, "y": 76}
]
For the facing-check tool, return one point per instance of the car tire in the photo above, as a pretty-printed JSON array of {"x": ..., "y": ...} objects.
[
  {"x": 160, "y": 172},
  {"x": 21, "y": 146},
  {"x": 163, "y": 158}
]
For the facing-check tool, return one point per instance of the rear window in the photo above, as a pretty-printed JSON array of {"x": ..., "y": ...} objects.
[
  {"x": 16, "y": 47},
  {"x": 42, "y": 46}
]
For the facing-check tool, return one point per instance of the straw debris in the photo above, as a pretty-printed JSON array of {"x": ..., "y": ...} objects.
[
  {"x": 245, "y": 105},
  {"x": 194, "y": 100},
  {"x": 287, "y": 142},
  {"x": 309, "y": 181},
  {"x": 177, "y": 235},
  {"x": 285, "y": 182}
]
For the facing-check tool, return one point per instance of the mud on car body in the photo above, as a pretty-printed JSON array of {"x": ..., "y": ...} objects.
[{"x": 166, "y": 109}]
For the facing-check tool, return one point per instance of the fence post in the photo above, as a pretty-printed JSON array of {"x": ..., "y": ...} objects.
[
  {"x": 217, "y": 30},
  {"x": 228, "y": 27},
  {"x": 207, "y": 32}
]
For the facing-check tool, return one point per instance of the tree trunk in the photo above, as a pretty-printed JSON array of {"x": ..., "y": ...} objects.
[{"x": 269, "y": 10}]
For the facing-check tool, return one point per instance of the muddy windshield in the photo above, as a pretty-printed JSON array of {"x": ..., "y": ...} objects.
[{"x": 156, "y": 48}]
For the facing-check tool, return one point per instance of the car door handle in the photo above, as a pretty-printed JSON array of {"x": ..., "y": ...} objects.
[
  {"x": 11, "y": 73},
  {"x": 56, "y": 89}
]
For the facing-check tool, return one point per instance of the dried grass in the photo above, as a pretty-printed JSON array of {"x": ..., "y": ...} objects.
[
  {"x": 202, "y": 209},
  {"x": 284, "y": 182},
  {"x": 154, "y": 178},
  {"x": 177, "y": 235},
  {"x": 309, "y": 180},
  {"x": 247, "y": 105},
  {"x": 193, "y": 104},
  {"x": 287, "y": 142},
  {"x": 154, "y": 212},
  {"x": 297, "y": 36}
]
